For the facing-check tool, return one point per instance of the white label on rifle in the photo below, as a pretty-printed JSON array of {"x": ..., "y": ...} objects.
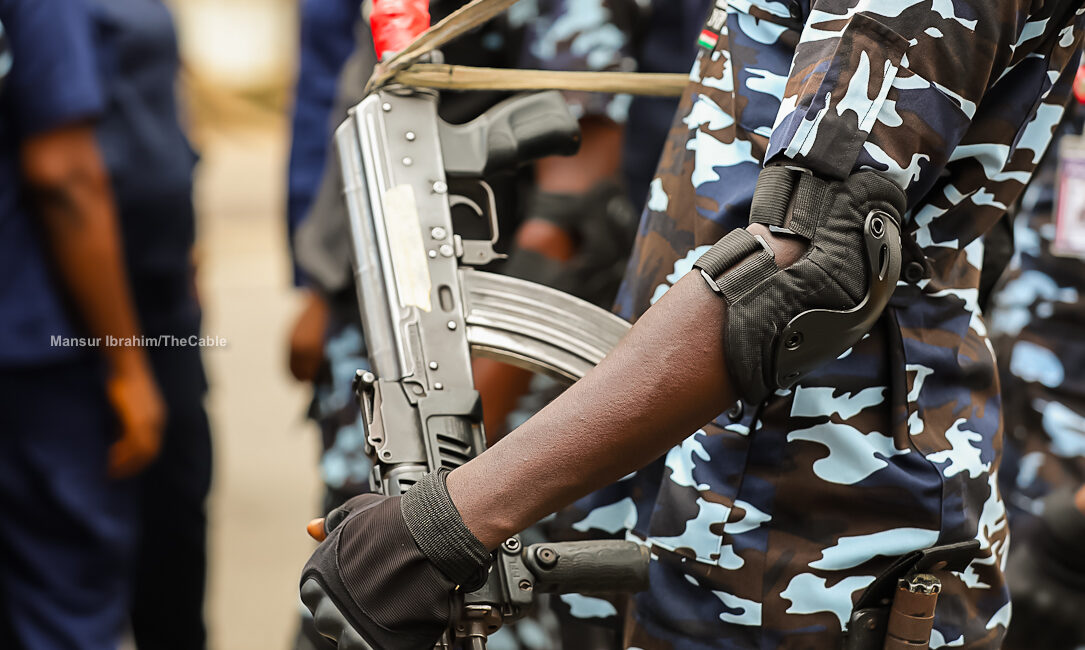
[{"x": 408, "y": 251}]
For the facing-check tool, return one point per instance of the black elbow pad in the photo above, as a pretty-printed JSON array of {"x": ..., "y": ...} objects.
[{"x": 784, "y": 323}]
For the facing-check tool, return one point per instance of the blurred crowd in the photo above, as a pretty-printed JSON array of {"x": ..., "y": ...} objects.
[{"x": 105, "y": 445}]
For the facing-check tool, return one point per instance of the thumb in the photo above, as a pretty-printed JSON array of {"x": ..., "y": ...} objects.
[{"x": 336, "y": 517}]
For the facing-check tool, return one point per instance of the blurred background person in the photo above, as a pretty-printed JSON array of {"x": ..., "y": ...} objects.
[
  {"x": 79, "y": 415},
  {"x": 150, "y": 166},
  {"x": 1037, "y": 320},
  {"x": 577, "y": 223},
  {"x": 238, "y": 60},
  {"x": 326, "y": 346}
]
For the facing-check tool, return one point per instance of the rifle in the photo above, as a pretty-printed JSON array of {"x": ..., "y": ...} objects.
[{"x": 426, "y": 308}]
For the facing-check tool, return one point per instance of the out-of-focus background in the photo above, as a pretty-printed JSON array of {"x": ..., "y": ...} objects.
[{"x": 239, "y": 67}]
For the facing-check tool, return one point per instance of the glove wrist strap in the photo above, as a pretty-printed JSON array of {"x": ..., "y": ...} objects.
[{"x": 439, "y": 531}]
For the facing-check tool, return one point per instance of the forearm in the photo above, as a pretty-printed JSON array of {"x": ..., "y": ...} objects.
[
  {"x": 73, "y": 200},
  {"x": 664, "y": 380},
  {"x": 599, "y": 159}
]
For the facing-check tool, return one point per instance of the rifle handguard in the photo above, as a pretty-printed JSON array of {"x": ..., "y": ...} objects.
[{"x": 595, "y": 566}]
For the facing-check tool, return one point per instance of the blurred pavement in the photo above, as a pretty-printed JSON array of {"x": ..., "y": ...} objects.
[{"x": 266, "y": 486}]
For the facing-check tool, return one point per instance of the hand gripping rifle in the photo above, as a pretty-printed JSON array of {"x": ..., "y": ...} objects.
[{"x": 426, "y": 309}]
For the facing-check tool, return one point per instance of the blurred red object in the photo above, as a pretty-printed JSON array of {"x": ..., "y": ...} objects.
[
  {"x": 1079, "y": 84},
  {"x": 395, "y": 23}
]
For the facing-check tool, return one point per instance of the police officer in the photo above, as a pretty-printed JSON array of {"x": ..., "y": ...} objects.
[
  {"x": 325, "y": 345},
  {"x": 79, "y": 410},
  {"x": 150, "y": 165},
  {"x": 869, "y": 426},
  {"x": 1036, "y": 324},
  {"x": 577, "y": 224}
]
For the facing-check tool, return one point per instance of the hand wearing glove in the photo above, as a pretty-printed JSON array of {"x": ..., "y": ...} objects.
[
  {"x": 1046, "y": 575},
  {"x": 390, "y": 570}
]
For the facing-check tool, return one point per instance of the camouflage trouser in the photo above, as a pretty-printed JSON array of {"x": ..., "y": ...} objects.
[
  {"x": 344, "y": 466},
  {"x": 765, "y": 526}
]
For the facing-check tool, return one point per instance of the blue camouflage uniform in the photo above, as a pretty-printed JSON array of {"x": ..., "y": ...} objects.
[
  {"x": 1036, "y": 321},
  {"x": 327, "y": 41},
  {"x": 768, "y": 524},
  {"x": 66, "y": 531},
  {"x": 666, "y": 44}
]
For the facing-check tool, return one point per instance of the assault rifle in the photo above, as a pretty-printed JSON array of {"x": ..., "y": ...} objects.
[{"x": 411, "y": 183}]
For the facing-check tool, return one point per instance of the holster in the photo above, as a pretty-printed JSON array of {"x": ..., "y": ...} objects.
[{"x": 869, "y": 623}]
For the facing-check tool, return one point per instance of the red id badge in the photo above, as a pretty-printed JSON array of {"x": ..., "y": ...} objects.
[{"x": 1070, "y": 202}]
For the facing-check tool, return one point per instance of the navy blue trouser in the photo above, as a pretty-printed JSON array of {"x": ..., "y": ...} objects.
[
  {"x": 171, "y": 565},
  {"x": 167, "y": 612},
  {"x": 67, "y": 532}
]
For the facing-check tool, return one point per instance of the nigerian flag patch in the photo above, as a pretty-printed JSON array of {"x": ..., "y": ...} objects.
[{"x": 708, "y": 39}]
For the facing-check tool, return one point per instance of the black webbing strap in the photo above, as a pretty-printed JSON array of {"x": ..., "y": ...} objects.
[
  {"x": 739, "y": 282},
  {"x": 732, "y": 249},
  {"x": 789, "y": 198},
  {"x": 736, "y": 246},
  {"x": 772, "y": 196}
]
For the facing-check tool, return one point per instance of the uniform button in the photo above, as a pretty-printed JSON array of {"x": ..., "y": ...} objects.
[
  {"x": 914, "y": 272},
  {"x": 734, "y": 413}
]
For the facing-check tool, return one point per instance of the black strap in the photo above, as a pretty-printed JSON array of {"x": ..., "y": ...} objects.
[
  {"x": 790, "y": 198},
  {"x": 439, "y": 531},
  {"x": 739, "y": 282},
  {"x": 736, "y": 246},
  {"x": 773, "y": 195}
]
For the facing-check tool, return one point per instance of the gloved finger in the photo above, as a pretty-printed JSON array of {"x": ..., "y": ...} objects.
[
  {"x": 315, "y": 528},
  {"x": 336, "y": 517}
]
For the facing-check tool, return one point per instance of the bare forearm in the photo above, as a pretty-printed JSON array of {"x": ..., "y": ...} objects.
[
  {"x": 664, "y": 380},
  {"x": 73, "y": 200},
  {"x": 599, "y": 159}
]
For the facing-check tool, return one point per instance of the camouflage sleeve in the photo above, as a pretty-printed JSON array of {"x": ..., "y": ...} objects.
[{"x": 892, "y": 85}]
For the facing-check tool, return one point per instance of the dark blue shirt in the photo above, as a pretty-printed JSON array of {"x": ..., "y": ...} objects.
[
  {"x": 327, "y": 39},
  {"x": 145, "y": 150},
  {"x": 51, "y": 84},
  {"x": 147, "y": 154}
]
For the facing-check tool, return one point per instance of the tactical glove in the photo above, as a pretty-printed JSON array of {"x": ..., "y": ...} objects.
[
  {"x": 1046, "y": 575},
  {"x": 391, "y": 569}
]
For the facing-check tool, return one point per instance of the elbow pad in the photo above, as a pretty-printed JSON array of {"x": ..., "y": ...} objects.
[{"x": 784, "y": 323}]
